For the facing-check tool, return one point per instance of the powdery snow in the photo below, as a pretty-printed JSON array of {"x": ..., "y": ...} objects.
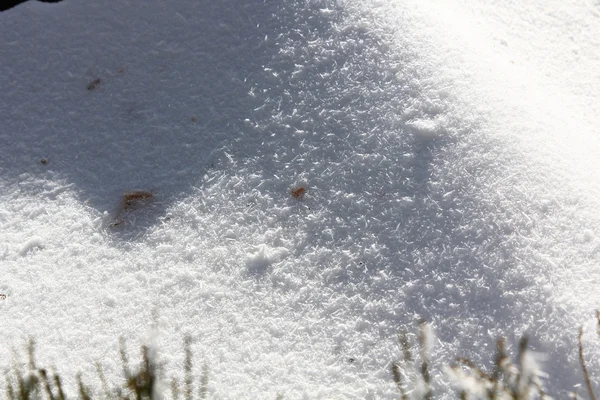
[{"x": 436, "y": 187}]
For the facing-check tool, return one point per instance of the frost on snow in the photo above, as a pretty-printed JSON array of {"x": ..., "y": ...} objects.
[{"x": 329, "y": 172}]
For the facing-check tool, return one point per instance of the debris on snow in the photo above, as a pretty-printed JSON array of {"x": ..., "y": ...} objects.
[
  {"x": 118, "y": 222},
  {"x": 129, "y": 200},
  {"x": 299, "y": 188},
  {"x": 132, "y": 197},
  {"x": 93, "y": 84},
  {"x": 298, "y": 192}
]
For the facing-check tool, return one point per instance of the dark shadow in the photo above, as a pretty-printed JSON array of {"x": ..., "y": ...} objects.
[
  {"x": 115, "y": 115},
  {"x": 8, "y": 4}
]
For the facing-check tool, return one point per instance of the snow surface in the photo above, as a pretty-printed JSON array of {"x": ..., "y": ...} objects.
[{"x": 449, "y": 156}]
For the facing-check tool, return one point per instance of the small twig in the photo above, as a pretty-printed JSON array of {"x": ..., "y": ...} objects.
[
  {"x": 521, "y": 360},
  {"x": 188, "y": 367},
  {"x": 27, "y": 385},
  {"x": 498, "y": 367},
  {"x": 31, "y": 353},
  {"x": 474, "y": 367},
  {"x": 103, "y": 381},
  {"x": 47, "y": 385},
  {"x": 84, "y": 393},
  {"x": 130, "y": 197},
  {"x": 10, "y": 391},
  {"x": 425, "y": 360},
  {"x": 93, "y": 84},
  {"x": 586, "y": 375},
  {"x": 128, "y": 201},
  {"x": 403, "y": 340},
  {"x": 124, "y": 359},
  {"x": 204, "y": 382},
  {"x": 540, "y": 390},
  {"x": 58, "y": 384},
  {"x": 598, "y": 319},
  {"x": 175, "y": 389},
  {"x": 398, "y": 380}
]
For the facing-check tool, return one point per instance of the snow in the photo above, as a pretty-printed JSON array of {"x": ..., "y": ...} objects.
[
  {"x": 31, "y": 245},
  {"x": 447, "y": 152}
]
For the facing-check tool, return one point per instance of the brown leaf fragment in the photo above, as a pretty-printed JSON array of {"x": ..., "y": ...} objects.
[
  {"x": 131, "y": 197},
  {"x": 299, "y": 192}
]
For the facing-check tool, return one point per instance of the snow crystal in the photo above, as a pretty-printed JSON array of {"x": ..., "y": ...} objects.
[
  {"x": 35, "y": 243},
  {"x": 259, "y": 262},
  {"x": 426, "y": 129}
]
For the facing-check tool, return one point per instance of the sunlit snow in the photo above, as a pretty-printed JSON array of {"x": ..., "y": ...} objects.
[{"x": 446, "y": 152}]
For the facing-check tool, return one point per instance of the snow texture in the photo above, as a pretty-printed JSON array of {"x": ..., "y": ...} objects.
[{"x": 447, "y": 152}]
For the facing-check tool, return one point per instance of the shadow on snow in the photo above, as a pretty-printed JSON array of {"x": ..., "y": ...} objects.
[{"x": 288, "y": 91}]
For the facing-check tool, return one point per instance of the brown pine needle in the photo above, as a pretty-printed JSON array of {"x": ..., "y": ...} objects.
[{"x": 586, "y": 375}]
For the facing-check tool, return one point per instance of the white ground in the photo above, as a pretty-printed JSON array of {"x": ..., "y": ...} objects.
[{"x": 449, "y": 149}]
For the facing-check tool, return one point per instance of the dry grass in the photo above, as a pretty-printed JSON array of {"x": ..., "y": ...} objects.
[
  {"x": 517, "y": 378},
  {"x": 512, "y": 378}
]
